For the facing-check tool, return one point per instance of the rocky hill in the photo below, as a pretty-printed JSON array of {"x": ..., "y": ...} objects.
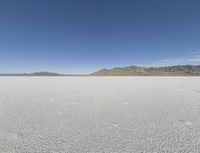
[{"x": 178, "y": 70}]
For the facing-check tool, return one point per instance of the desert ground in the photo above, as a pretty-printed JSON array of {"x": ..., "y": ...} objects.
[{"x": 99, "y": 114}]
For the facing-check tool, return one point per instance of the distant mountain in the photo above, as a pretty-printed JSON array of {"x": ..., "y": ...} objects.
[
  {"x": 178, "y": 70},
  {"x": 45, "y": 74},
  {"x": 33, "y": 74}
]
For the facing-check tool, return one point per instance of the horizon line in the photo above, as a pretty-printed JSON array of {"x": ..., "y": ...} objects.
[{"x": 79, "y": 74}]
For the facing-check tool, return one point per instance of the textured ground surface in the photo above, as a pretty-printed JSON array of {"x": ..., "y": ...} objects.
[{"x": 99, "y": 114}]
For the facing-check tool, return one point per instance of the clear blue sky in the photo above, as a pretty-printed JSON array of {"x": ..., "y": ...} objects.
[{"x": 81, "y": 36}]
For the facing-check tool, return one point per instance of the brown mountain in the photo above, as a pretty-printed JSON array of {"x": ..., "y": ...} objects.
[{"x": 178, "y": 70}]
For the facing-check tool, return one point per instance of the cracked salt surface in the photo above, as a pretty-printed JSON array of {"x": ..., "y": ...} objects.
[
  {"x": 127, "y": 104},
  {"x": 99, "y": 114},
  {"x": 188, "y": 123}
]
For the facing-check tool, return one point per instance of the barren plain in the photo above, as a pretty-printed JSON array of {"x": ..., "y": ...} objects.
[{"x": 99, "y": 114}]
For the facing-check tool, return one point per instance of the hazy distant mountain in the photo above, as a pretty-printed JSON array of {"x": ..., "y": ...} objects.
[
  {"x": 33, "y": 74},
  {"x": 178, "y": 70},
  {"x": 44, "y": 74}
]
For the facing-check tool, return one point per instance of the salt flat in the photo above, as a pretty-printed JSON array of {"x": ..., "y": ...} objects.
[{"x": 99, "y": 114}]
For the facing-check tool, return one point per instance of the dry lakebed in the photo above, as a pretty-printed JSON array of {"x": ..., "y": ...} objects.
[{"x": 99, "y": 114}]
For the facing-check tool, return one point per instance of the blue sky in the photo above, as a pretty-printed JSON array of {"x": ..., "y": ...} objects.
[{"x": 81, "y": 36}]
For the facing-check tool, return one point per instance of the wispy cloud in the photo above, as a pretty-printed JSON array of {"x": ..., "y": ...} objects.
[
  {"x": 194, "y": 60},
  {"x": 194, "y": 53},
  {"x": 189, "y": 58}
]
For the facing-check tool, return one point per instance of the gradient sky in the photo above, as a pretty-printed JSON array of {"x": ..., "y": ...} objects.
[{"x": 81, "y": 36}]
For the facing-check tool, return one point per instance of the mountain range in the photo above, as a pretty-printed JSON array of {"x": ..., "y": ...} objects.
[
  {"x": 177, "y": 70},
  {"x": 33, "y": 74}
]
